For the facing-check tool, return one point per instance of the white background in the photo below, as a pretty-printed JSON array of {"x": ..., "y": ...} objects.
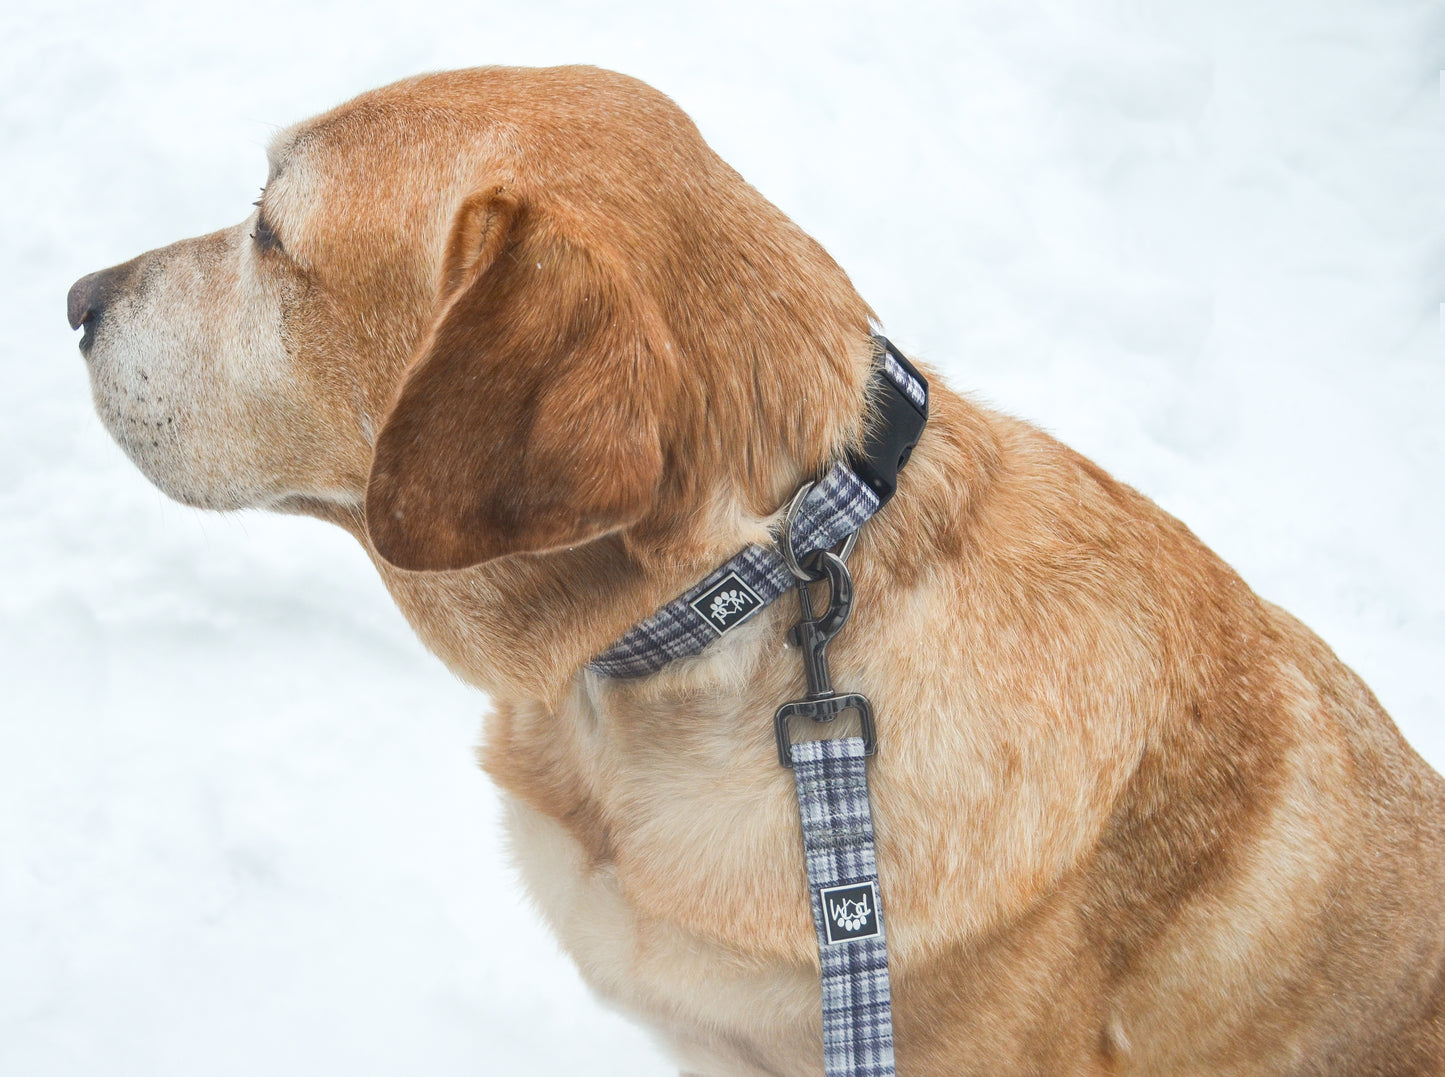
[{"x": 240, "y": 827}]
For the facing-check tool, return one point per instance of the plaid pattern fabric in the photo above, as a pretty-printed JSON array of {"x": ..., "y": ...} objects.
[
  {"x": 838, "y": 840},
  {"x": 907, "y": 384},
  {"x": 834, "y": 508},
  {"x": 830, "y": 775}
]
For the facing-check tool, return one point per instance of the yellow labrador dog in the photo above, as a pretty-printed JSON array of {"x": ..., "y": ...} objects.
[{"x": 551, "y": 362}]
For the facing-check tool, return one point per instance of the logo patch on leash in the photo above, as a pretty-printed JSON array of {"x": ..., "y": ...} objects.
[
  {"x": 728, "y": 603},
  {"x": 849, "y": 912}
]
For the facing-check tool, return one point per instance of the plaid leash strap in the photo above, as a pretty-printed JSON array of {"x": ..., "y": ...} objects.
[
  {"x": 830, "y": 775},
  {"x": 843, "y": 875}
]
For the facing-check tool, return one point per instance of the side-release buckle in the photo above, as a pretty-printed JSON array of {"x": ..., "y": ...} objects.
[{"x": 899, "y": 410}]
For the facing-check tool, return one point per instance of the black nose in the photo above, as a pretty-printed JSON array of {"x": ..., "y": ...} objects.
[
  {"x": 92, "y": 293},
  {"x": 84, "y": 301}
]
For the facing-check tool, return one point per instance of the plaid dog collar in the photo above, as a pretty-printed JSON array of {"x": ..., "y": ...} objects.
[{"x": 833, "y": 509}]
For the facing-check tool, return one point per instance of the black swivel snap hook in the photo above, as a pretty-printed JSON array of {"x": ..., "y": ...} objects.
[{"x": 811, "y": 636}]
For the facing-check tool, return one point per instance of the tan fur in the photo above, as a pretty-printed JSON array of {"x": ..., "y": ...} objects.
[{"x": 525, "y": 327}]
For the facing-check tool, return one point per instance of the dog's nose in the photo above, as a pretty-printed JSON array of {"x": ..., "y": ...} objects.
[
  {"x": 91, "y": 294},
  {"x": 86, "y": 299}
]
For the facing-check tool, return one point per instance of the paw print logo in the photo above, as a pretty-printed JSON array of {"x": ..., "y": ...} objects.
[
  {"x": 726, "y": 604},
  {"x": 850, "y": 912},
  {"x": 849, "y": 915}
]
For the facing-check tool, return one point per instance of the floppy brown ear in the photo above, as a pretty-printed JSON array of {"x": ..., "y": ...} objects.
[{"x": 528, "y": 421}]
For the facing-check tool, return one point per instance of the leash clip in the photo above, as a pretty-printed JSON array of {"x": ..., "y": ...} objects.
[{"x": 811, "y": 635}]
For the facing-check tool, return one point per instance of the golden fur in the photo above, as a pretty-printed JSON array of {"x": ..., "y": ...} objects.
[{"x": 531, "y": 342}]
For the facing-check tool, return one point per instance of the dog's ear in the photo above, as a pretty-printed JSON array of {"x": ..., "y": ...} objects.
[{"x": 528, "y": 421}]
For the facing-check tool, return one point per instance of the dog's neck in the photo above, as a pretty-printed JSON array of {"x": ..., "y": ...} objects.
[{"x": 523, "y": 627}]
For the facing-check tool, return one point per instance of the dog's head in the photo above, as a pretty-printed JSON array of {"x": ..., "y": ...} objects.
[{"x": 484, "y": 313}]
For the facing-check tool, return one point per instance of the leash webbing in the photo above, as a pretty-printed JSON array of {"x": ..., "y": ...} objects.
[
  {"x": 830, "y": 775},
  {"x": 832, "y": 788}
]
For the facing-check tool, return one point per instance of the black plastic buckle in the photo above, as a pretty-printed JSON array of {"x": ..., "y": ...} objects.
[{"x": 896, "y": 423}]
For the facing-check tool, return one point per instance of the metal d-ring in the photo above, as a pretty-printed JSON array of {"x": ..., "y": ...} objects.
[{"x": 785, "y": 541}]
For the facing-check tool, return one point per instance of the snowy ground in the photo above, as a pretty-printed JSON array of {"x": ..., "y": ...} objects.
[{"x": 240, "y": 829}]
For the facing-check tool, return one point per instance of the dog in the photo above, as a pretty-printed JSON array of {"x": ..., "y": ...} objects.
[{"x": 551, "y": 361}]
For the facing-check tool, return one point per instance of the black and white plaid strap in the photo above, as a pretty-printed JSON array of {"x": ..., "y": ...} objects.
[
  {"x": 830, "y": 775},
  {"x": 833, "y": 509},
  {"x": 843, "y": 876}
]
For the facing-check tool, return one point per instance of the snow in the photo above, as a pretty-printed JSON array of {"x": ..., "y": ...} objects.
[{"x": 241, "y": 830}]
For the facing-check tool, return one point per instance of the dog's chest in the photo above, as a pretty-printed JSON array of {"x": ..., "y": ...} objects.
[
  {"x": 670, "y": 868},
  {"x": 715, "y": 1010}
]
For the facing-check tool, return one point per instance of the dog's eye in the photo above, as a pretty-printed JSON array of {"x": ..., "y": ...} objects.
[{"x": 265, "y": 236}]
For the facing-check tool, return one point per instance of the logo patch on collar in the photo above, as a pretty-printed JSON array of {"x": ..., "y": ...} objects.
[
  {"x": 849, "y": 912},
  {"x": 727, "y": 604}
]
